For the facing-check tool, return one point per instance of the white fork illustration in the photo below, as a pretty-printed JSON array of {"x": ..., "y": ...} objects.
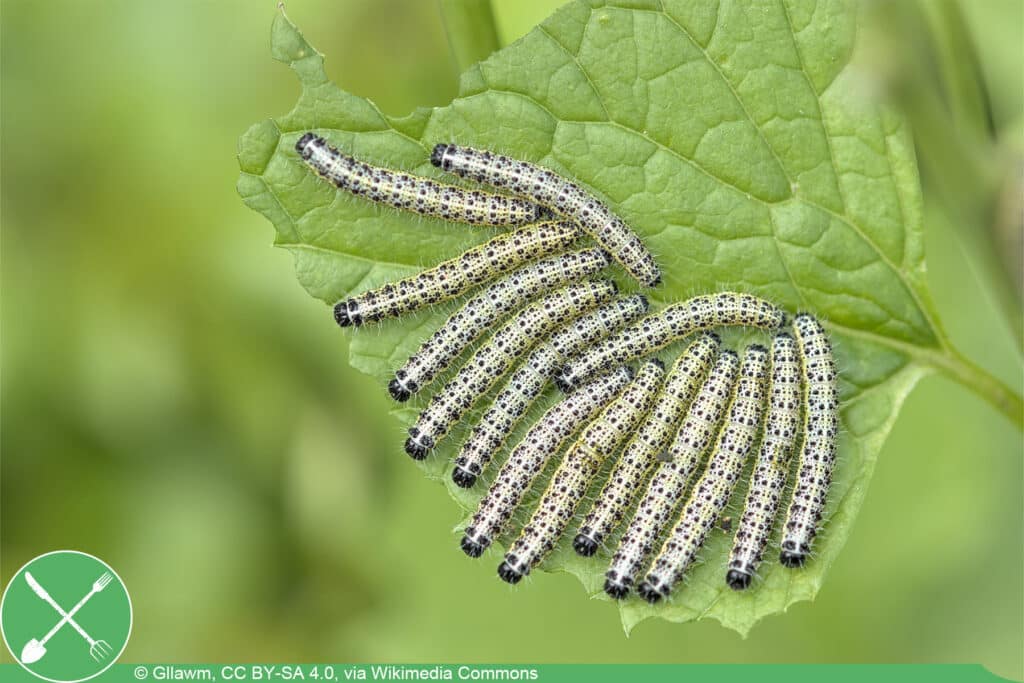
[{"x": 35, "y": 649}]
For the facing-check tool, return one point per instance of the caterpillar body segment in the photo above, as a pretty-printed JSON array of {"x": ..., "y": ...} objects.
[
  {"x": 527, "y": 459},
  {"x": 571, "y": 480},
  {"x": 670, "y": 478},
  {"x": 818, "y": 450},
  {"x": 527, "y": 381},
  {"x": 652, "y": 438},
  {"x": 451, "y": 278},
  {"x": 673, "y": 322},
  {"x": 563, "y": 196},
  {"x": 769, "y": 478},
  {"x": 414, "y": 193},
  {"x": 712, "y": 491},
  {"x": 484, "y": 309},
  {"x": 492, "y": 360}
]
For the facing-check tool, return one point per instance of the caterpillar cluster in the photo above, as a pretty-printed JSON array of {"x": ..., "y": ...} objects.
[{"x": 664, "y": 449}]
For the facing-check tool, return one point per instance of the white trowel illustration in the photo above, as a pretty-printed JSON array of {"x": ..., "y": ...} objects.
[{"x": 36, "y": 648}]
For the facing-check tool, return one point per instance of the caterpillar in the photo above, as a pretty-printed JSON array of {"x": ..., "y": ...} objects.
[
  {"x": 668, "y": 483},
  {"x": 818, "y": 451},
  {"x": 571, "y": 480},
  {"x": 657, "y": 330},
  {"x": 492, "y": 360},
  {"x": 453, "y": 277},
  {"x": 485, "y": 308},
  {"x": 551, "y": 190},
  {"x": 769, "y": 478},
  {"x": 527, "y": 459},
  {"x": 413, "y": 193},
  {"x": 640, "y": 454},
  {"x": 527, "y": 382},
  {"x": 712, "y": 491}
]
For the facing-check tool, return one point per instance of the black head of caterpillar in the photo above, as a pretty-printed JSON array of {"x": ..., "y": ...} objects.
[
  {"x": 346, "y": 314},
  {"x": 418, "y": 445},
  {"x": 436, "y": 154},
  {"x": 303, "y": 146},
  {"x": 399, "y": 391}
]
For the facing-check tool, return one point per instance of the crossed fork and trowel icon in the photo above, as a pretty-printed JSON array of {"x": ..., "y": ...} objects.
[{"x": 36, "y": 648}]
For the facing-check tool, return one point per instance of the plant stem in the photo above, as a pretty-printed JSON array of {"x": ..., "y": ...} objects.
[
  {"x": 472, "y": 34},
  {"x": 978, "y": 381},
  {"x": 954, "y": 365}
]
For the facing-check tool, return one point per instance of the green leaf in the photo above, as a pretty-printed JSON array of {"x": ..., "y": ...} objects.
[{"x": 731, "y": 136}]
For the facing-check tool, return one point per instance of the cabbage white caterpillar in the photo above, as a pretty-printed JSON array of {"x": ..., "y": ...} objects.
[
  {"x": 451, "y": 278},
  {"x": 657, "y": 330},
  {"x": 414, "y": 193},
  {"x": 769, "y": 477},
  {"x": 818, "y": 450}
]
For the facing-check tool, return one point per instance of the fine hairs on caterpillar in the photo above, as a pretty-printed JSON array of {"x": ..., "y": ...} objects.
[
  {"x": 657, "y": 330},
  {"x": 818, "y": 450},
  {"x": 712, "y": 491},
  {"x": 453, "y": 277},
  {"x": 413, "y": 193},
  {"x": 769, "y": 477},
  {"x": 640, "y": 454},
  {"x": 668, "y": 484},
  {"x": 571, "y": 480},
  {"x": 555, "y": 192},
  {"x": 526, "y": 383},
  {"x": 492, "y": 360},
  {"x": 481, "y": 311},
  {"x": 527, "y": 459}
]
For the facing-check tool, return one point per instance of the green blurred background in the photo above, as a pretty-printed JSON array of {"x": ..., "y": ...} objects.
[{"x": 174, "y": 402}]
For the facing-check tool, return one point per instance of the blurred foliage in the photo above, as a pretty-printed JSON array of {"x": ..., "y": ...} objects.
[{"x": 170, "y": 407}]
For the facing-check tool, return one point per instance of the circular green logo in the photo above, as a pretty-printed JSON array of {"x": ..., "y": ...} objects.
[{"x": 66, "y": 616}]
